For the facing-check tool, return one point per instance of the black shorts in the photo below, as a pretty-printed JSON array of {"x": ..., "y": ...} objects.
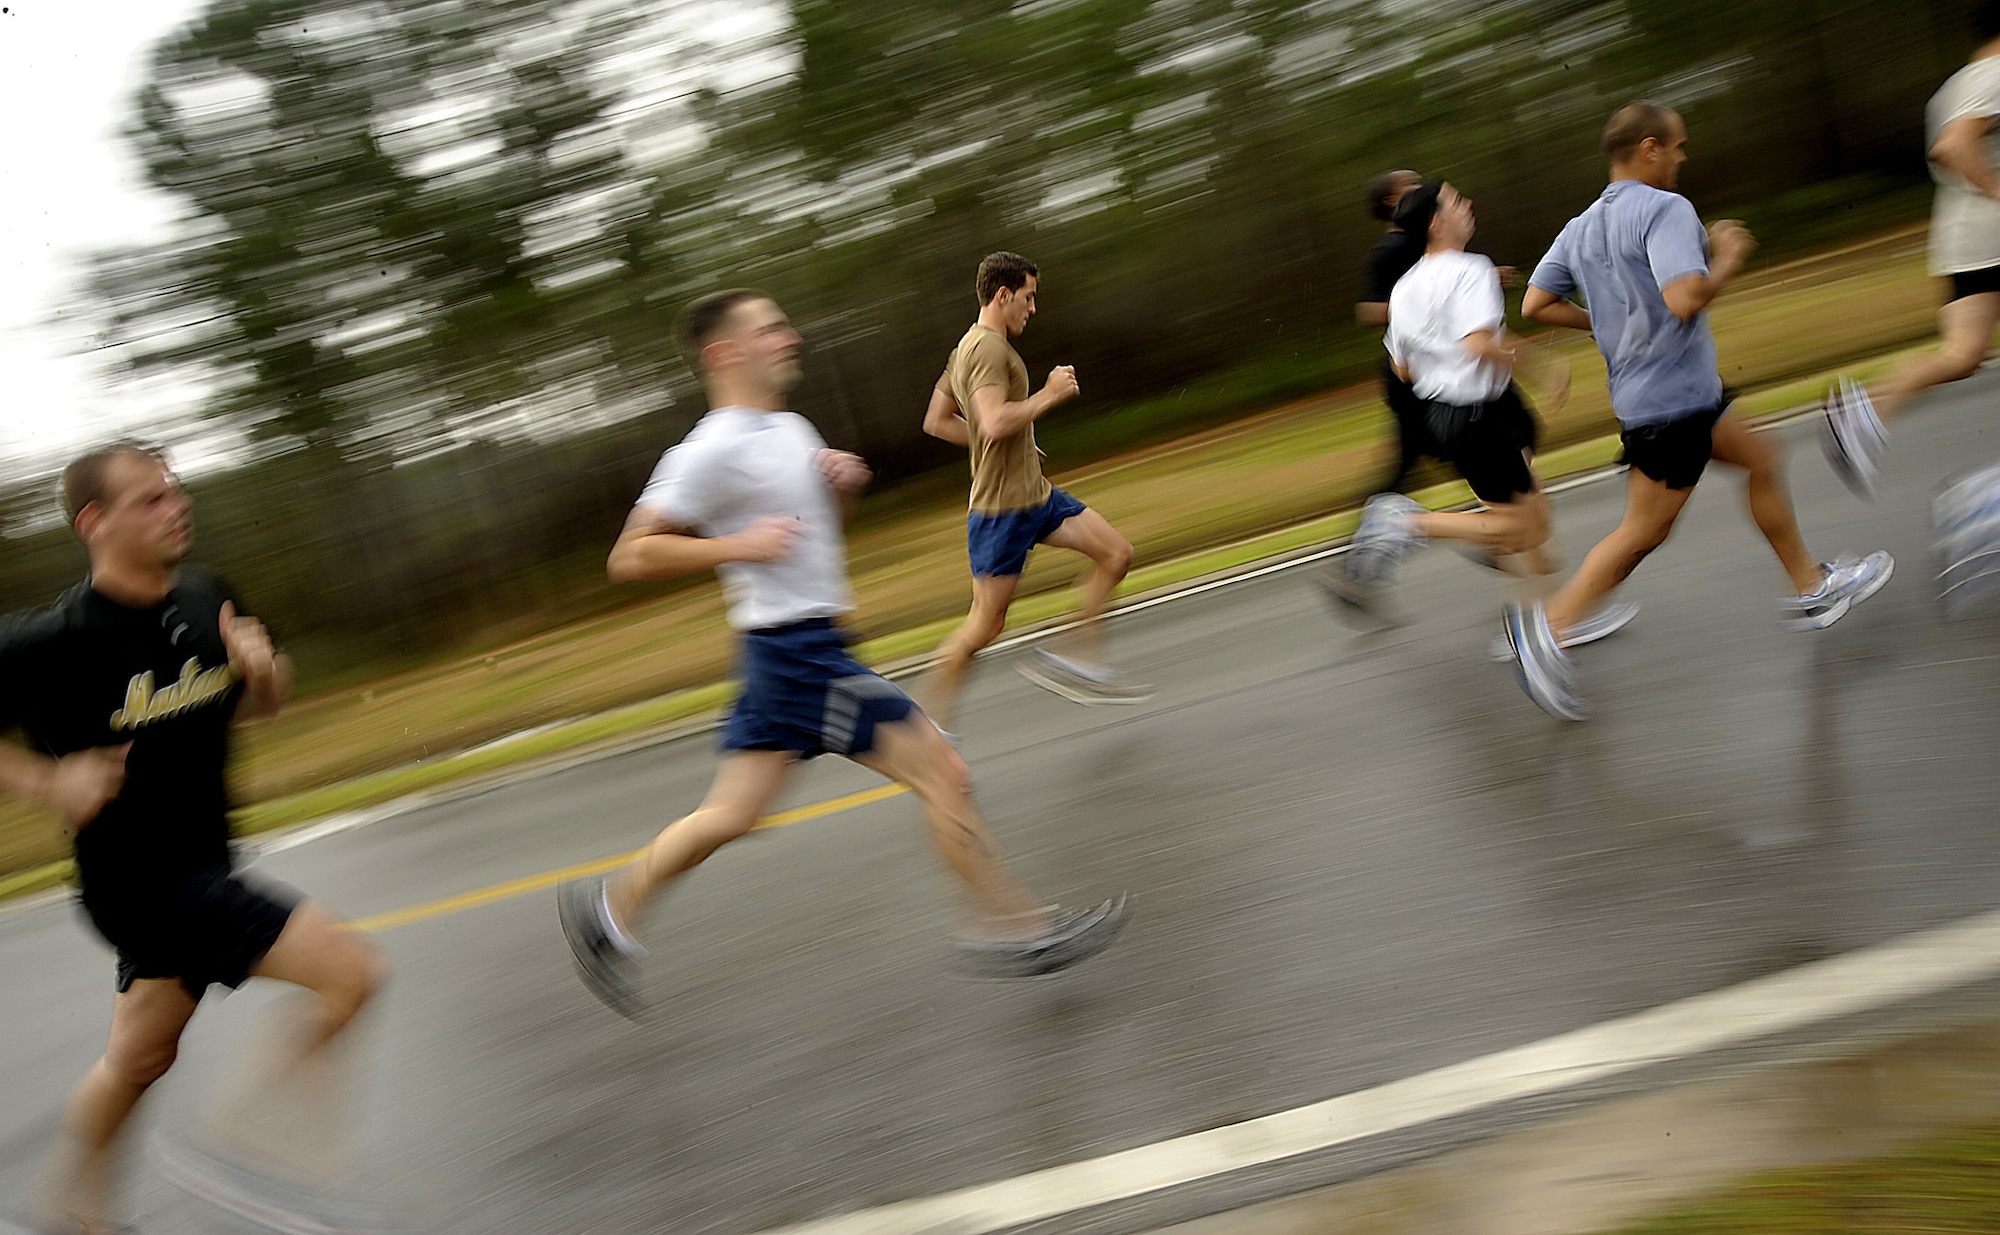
[
  {"x": 210, "y": 927},
  {"x": 1485, "y": 443},
  {"x": 1676, "y": 452},
  {"x": 1412, "y": 413},
  {"x": 1974, "y": 283}
]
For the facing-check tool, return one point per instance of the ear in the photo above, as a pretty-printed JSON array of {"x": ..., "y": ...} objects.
[
  {"x": 715, "y": 353},
  {"x": 87, "y": 520}
]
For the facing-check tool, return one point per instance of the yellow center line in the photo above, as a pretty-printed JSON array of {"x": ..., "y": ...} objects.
[{"x": 549, "y": 879}]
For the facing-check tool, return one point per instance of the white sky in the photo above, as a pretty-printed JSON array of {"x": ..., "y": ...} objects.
[{"x": 69, "y": 186}]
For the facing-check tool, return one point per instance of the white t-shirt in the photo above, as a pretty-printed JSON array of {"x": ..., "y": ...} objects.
[
  {"x": 1444, "y": 298},
  {"x": 1965, "y": 223},
  {"x": 736, "y": 466}
]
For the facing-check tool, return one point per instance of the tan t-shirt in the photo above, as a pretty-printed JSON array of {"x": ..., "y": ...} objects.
[
  {"x": 1965, "y": 223},
  {"x": 1006, "y": 473}
]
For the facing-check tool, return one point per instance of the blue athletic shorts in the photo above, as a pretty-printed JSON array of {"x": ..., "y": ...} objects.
[
  {"x": 999, "y": 544},
  {"x": 802, "y": 692}
]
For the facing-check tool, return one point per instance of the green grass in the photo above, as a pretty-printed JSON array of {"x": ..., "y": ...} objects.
[{"x": 1948, "y": 1184}]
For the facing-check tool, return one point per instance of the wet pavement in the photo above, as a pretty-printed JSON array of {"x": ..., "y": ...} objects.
[{"x": 1352, "y": 860}]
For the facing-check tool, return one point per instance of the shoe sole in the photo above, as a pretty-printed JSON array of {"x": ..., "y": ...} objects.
[
  {"x": 1967, "y": 584},
  {"x": 1570, "y": 709},
  {"x": 569, "y": 908},
  {"x": 1501, "y": 651},
  {"x": 1839, "y": 611},
  {"x": 1092, "y": 695},
  {"x": 1111, "y": 926},
  {"x": 1840, "y": 456}
]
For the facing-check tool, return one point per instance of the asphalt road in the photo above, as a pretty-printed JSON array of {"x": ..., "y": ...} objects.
[{"x": 1352, "y": 860}]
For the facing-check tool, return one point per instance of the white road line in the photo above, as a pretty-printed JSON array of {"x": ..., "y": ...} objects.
[{"x": 1917, "y": 965}]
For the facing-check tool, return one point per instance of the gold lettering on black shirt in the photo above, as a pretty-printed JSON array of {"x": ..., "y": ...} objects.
[{"x": 194, "y": 687}]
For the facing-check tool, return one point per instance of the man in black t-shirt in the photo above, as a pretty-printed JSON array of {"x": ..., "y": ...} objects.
[
  {"x": 1388, "y": 261},
  {"x": 126, "y": 690}
]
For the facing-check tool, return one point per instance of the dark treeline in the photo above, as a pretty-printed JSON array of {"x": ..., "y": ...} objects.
[{"x": 433, "y": 251}]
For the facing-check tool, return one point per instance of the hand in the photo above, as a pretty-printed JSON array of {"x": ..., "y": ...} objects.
[
  {"x": 84, "y": 781},
  {"x": 1061, "y": 386},
  {"x": 249, "y": 648},
  {"x": 1510, "y": 277},
  {"x": 1730, "y": 241},
  {"x": 769, "y": 539},
  {"x": 847, "y": 473}
]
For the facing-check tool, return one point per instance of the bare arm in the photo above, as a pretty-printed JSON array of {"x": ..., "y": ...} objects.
[
  {"x": 1486, "y": 345},
  {"x": 652, "y": 548},
  {"x": 76, "y": 786},
  {"x": 1540, "y": 305},
  {"x": 1960, "y": 149},
  {"x": 943, "y": 420},
  {"x": 998, "y": 418},
  {"x": 1372, "y": 313},
  {"x": 1732, "y": 245}
]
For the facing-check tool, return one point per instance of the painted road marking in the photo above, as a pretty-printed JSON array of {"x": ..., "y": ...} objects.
[
  {"x": 1909, "y": 968},
  {"x": 530, "y": 884}
]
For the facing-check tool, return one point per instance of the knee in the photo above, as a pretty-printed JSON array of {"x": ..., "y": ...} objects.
[
  {"x": 140, "y": 1066},
  {"x": 1959, "y": 363},
  {"x": 1117, "y": 560}
]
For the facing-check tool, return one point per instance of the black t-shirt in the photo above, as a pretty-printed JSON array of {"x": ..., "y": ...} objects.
[
  {"x": 88, "y": 671},
  {"x": 1388, "y": 261}
]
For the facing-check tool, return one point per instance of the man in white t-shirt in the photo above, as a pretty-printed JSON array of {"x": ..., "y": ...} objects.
[
  {"x": 1962, "y": 124},
  {"x": 1448, "y": 338},
  {"x": 754, "y": 494}
]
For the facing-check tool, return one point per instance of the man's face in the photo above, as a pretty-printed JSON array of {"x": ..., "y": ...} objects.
[
  {"x": 147, "y": 518},
  {"x": 1666, "y": 157},
  {"x": 1454, "y": 221},
  {"x": 760, "y": 341},
  {"x": 1016, "y": 307}
]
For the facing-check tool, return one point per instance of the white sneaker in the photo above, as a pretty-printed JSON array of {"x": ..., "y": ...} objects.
[
  {"x": 1847, "y": 583},
  {"x": 1853, "y": 437},
  {"x": 1608, "y": 620}
]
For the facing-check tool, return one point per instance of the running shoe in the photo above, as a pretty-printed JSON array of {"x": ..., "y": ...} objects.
[
  {"x": 1545, "y": 672},
  {"x": 1071, "y": 935},
  {"x": 607, "y": 969},
  {"x": 1386, "y": 534},
  {"x": 1853, "y": 437},
  {"x": 1091, "y": 685},
  {"x": 1608, "y": 620},
  {"x": 1848, "y": 582}
]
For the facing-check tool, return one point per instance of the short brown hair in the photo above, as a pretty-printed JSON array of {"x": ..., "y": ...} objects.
[
  {"x": 88, "y": 476},
  {"x": 1633, "y": 123},
  {"x": 701, "y": 320},
  {"x": 1003, "y": 270}
]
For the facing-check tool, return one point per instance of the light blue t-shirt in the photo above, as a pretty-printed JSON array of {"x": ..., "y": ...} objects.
[{"x": 1633, "y": 241}]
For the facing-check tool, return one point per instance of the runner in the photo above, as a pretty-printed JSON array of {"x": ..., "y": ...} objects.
[
  {"x": 126, "y": 690},
  {"x": 1647, "y": 271},
  {"x": 1448, "y": 339},
  {"x": 1388, "y": 261},
  {"x": 754, "y": 494},
  {"x": 1963, "y": 125},
  {"x": 982, "y": 403}
]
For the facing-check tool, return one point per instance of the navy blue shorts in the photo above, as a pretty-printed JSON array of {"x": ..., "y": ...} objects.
[
  {"x": 803, "y": 693},
  {"x": 999, "y": 544}
]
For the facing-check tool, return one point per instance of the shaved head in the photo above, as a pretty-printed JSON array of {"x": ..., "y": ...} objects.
[{"x": 1633, "y": 123}]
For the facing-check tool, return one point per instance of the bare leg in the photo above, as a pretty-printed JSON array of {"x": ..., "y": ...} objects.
[
  {"x": 146, "y": 1025},
  {"x": 1966, "y": 326},
  {"x": 991, "y": 595},
  {"x": 1110, "y": 561},
  {"x": 294, "y": 1112},
  {"x": 743, "y": 786},
  {"x": 913, "y": 753},
  {"x": 1650, "y": 511},
  {"x": 1770, "y": 501}
]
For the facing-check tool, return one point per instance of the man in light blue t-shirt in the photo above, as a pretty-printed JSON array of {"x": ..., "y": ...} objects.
[{"x": 1646, "y": 271}]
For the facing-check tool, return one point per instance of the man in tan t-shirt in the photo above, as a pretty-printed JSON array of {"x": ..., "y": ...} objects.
[
  {"x": 1962, "y": 124},
  {"x": 982, "y": 403}
]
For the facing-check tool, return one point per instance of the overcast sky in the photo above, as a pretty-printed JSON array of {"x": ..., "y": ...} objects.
[{"x": 69, "y": 185}]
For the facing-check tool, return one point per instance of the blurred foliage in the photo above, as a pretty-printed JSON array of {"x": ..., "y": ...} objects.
[{"x": 433, "y": 250}]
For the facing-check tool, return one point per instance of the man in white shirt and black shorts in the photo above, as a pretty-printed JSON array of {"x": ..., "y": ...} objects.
[
  {"x": 1962, "y": 124},
  {"x": 1448, "y": 338},
  {"x": 754, "y": 494}
]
